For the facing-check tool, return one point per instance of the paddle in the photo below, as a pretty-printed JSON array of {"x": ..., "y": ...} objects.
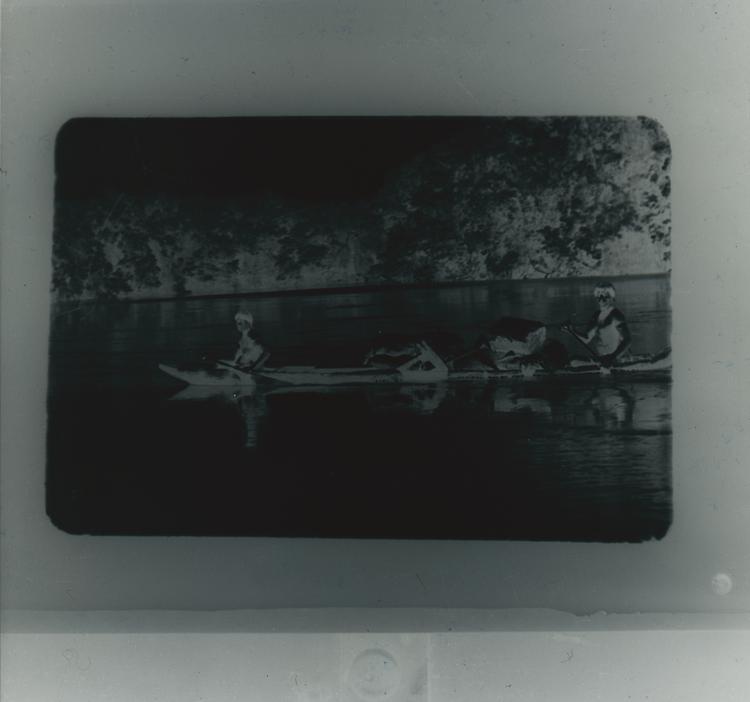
[
  {"x": 240, "y": 369},
  {"x": 567, "y": 327},
  {"x": 231, "y": 366},
  {"x": 218, "y": 362}
]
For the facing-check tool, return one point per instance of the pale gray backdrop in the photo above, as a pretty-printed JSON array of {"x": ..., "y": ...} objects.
[{"x": 683, "y": 63}]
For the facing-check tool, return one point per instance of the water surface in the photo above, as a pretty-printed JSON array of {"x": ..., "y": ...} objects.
[{"x": 132, "y": 451}]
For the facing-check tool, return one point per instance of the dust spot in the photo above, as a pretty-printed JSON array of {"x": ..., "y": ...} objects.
[{"x": 722, "y": 584}]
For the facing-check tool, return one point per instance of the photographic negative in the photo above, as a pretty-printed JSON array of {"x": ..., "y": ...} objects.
[{"x": 397, "y": 327}]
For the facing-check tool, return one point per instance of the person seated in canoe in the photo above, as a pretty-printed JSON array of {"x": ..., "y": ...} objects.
[
  {"x": 606, "y": 336},
  {"x": 426, "y": 360},
  {"x": 250, "y": 352},
  {"x": 515, "y": 343},
  {"x": 513, "y": 340},
  {"x": 394, "y": 350}
]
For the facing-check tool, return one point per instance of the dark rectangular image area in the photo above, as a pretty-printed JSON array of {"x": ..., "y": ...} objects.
[{"x": 401, "y": 327}]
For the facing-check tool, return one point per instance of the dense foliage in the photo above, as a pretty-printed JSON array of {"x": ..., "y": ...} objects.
[{"x": 509, "y": 198}]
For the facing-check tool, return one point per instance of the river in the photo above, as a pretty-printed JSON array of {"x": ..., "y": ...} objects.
[{"x": 131, "y": 451}]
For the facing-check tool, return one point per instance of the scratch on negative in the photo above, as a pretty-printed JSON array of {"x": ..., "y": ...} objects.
[
  {"x": 112, "y": 210},
  {"x": 461, "y": 85}
]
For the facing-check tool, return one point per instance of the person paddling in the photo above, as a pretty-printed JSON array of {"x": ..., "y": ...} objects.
[
  {"x": 250, "y": 352},
  {"x": 607, "y": 335}
]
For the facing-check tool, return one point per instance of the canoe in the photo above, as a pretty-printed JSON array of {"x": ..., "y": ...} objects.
[
  {"x": 644, "y": 367},
  {"x": 648, "y": 367},
  {"x": 296, "y": 375},
  {"x": 311, "y": 375},
  {"x": 210, "y": 377}
]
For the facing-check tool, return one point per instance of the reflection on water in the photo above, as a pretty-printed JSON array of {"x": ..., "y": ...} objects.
[
  {"x": 612, "y": 408},
  {"x": 130, "y": 451},
  {"x": 638, "y": 407}
]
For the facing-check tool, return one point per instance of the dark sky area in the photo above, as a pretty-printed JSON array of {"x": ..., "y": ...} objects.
[{"x": 300, "y": 157}]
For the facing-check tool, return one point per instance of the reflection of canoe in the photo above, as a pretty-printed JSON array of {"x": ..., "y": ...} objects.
[
  {"x": 651, "y": 367},
  {"x": 207, "y": 392}
]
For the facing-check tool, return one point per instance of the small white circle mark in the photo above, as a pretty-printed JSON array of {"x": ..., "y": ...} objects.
[
  {"x": 721, "y": 584},
  {"x": 374, "y": 675}
]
